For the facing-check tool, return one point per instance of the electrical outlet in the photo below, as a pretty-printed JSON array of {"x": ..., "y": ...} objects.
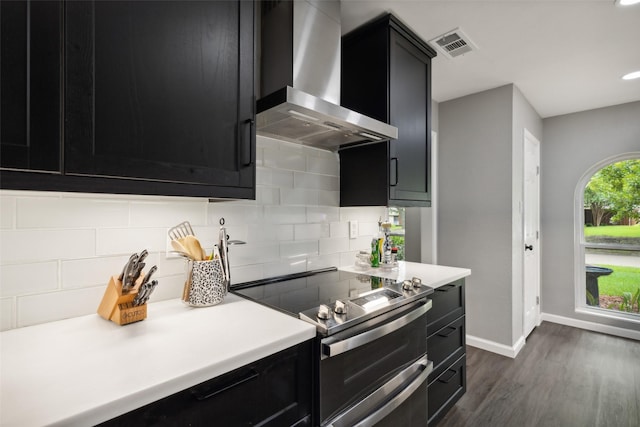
[{"x": 353, "y": 229}]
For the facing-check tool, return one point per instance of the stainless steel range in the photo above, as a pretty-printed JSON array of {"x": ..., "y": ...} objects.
[{"x": 370, "y": 359}]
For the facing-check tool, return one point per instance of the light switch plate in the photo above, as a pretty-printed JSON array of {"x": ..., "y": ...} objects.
[{"x": 353, "y": 229}]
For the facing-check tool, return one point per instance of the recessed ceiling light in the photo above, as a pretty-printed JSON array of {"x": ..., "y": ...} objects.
[
  {"x": 626, "y": 2},
  {"x": 631, "y": 76}
]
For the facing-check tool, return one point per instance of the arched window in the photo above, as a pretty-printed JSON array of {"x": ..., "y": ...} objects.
[{"x": 607, "y": 268}]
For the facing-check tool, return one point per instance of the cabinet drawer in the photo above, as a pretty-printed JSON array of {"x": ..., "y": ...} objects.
[
  {"x": 448, "y": 305},
  {"x": 274, "y": 391},
  {"x": 446, "y": 389},
  {"x": 446, "y": 346}
]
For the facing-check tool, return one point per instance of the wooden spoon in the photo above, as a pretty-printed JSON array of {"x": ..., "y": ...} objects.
[
  {"x": 180, "y": 249},
  {"x": 192, "y": 245}
]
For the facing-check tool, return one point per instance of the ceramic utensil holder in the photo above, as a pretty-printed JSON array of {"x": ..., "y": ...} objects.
[
  {"x": 118, "y": 307},
  {"x": 205, "y": 285}
]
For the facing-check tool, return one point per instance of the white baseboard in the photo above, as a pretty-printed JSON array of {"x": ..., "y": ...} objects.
[
  {"x": 494, "y": 347},
  {"x": 592, "y": 326}
]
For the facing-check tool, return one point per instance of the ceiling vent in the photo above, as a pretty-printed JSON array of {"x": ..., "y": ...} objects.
[{"x": 453, "y": 43}]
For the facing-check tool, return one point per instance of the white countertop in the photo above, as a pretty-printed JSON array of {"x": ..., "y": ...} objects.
[
  {"x": 86, "y": 370},
  {"x": 431, "y": 275}
]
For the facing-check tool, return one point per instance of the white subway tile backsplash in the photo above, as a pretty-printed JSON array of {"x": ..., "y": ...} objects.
[
  {"x": 362, "y": 243},
  {"x": 44, "y": 245},
  {"x": 323, "y": 261},
  {"x": 7, "y": 314},
  {"x": 270, "y": 232},
  {"x": 284, "y": 215},
  {"x": 253, "y": 253},
  {"x": 51, "y": 212},
  {"x": 170, "y": 266},
  {"x": 234, "y": 214},
  {"x": 118, "y": 241},
  {"x": 334, "y": 245},
  {"x": 281, "y": 179},
  {"x": 299, "y": 249},
  {"x": 167, "y": 214},
  {"x": 328, "y": 198},
  {"x": 88, "y": 272},
  {"x": 324, "y": 165},
  {"x": 316, "y": 182},
  {"x": 307, "y": 232},
  {"x": 59, "y": 249},
  {"x": 366, "y": 228},
  {"x": 22, "y": 279},
  {"x": 283, "y": 267},
  {"x": 247, "y": 273},
  {"x": 7, "y": 211},
  {"x": 339, "y": 229},
  {"x": 347, "y": 258},
  {"x": 47, "y": 307},
  {"x": 268, "y": 196},
  {"x": 285, "y": 158},
  {"x": 323, "y": 214},
  {"x": 263, "y": 176},
  {"x": 298, "y": 196},
  {"x": 363, "y": 214},
  {"x": 169, "y": 287},
  {"x": 265, "y": 143}
]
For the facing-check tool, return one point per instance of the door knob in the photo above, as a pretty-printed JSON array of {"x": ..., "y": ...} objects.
[{"x": 528, "y": 247}]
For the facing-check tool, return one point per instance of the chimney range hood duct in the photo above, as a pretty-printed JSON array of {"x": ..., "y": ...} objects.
[{"x": 300, "y": 76}]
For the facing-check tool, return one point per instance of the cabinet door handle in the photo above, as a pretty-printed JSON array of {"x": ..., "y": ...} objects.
[
  {"x": 451, "y": 376},
  {"x": 395, "y": 160},
  {"x": 445, "y": 288},
  {"x": 205, "y": 393},
  {"x": 335, "y": 345},
  {"x": 245, "y": 135},
  {"x": 451, "y": 331}
]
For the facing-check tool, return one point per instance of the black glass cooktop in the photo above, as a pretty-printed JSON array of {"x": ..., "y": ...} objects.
[{"x": 301, "y": 295}]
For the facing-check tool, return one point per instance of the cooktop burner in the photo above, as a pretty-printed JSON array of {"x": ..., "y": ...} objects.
[{"x": 330, "y": 299}]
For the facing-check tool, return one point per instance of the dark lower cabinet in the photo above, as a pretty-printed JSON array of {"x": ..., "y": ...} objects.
[
  {"x": 446, "y": 344},
  {"x": 386, "y": 74},
  {"x": 446, "y": 389},
  {"x": 274, "y": 391},
  {"x": 158, "y": 97}
]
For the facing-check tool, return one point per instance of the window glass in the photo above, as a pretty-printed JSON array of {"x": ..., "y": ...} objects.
[{"x": 611, "y": 238}]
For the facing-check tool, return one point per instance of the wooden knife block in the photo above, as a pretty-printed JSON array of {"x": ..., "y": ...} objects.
[{"x": 118, "y": 306}]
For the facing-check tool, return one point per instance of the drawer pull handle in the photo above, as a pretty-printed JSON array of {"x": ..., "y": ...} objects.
[
  {"x": 446, "y": 288},
  {"x": 453, "y": 374},
  {"x": 204, "y": 394},
  {"x": 452, "y": 330}
]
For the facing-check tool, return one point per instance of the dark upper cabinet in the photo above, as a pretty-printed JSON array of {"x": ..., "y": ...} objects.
[
  {"x": 30, "y": 44},
  {"x": 158, "y": 99},
  {"x": 386, "y": 74}
]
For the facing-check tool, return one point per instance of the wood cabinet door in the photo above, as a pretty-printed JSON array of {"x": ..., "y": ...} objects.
[
  {"x": 30, "y": 68},
  {"x": 160, "y": 91},
  {"x": 409, "y": 111}
]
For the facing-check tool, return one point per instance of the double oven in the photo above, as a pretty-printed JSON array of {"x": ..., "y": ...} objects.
[{"x": 370, "y": 351}]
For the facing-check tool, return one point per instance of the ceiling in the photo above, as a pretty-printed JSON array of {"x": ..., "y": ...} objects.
[{"x": 565, "y": 56}]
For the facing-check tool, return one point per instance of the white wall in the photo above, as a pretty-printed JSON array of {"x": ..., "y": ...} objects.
[
  {"x": 58, "y": 250},
  {"x": 571, "y": 145}
]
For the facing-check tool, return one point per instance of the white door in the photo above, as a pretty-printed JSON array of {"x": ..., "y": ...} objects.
[{"x": 531, "y": 233}]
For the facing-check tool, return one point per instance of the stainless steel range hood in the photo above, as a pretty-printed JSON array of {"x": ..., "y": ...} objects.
[{"x": 300, "y": 78}]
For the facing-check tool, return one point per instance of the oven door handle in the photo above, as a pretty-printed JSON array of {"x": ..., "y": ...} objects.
[
  {"x": 371, "y": 404},
  {"x": 331, "y": 348}
]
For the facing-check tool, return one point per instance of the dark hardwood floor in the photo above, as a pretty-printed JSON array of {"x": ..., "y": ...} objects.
[{"x": 562, "y": 377}]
